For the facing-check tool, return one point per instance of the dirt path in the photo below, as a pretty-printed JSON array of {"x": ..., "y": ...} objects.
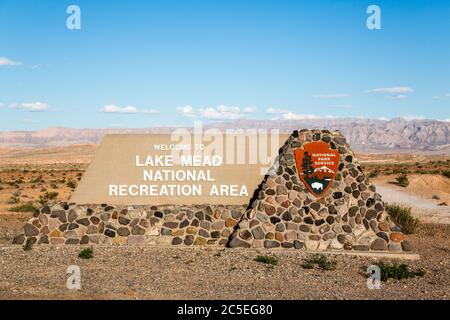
[{"x": 427, "y": 210}]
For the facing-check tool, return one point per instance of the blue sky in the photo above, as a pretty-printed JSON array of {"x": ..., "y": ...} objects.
[{"x": 149, "y": 63}]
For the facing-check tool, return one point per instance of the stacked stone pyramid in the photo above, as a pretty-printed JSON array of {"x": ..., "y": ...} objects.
[{"x": 350, "y": 215}]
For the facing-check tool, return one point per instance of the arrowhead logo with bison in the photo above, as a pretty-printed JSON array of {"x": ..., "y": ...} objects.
[{"x": 317, "y": 166}]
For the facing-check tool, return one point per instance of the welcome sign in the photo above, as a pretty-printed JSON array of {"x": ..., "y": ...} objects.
[
  {"x": 179, "y": 168},
  {"x": 306, "y": 190}
]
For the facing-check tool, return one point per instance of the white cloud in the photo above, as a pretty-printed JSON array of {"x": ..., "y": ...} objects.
[
  {"x": 211, "y": 113},
  {"x": 444, "y": 96},
  {"x": 8, "y": 62},
  {"x": 413, "y": 117},
  {"x": 249, "y": 109},
  {"x": 399, "y": 96},
  {"x": 392, "y": 90},
  {"x": 221, "y": 112},
  {"x": 289, "y": 115},
  {"x": 296, "y": 116},
  {"x": 231, "y": 109},
  {"x": 186, "y": 111},
  {"x": 271, "y": 110},
  {"x": 216, "y": 113},
  {"x": 332, "y": 96},
  {"x": 112, "y": 108},
  {"x": 397, "y": 93},
  {"x": 226, "y": 112},
  {"x": 32, "y": 106}
]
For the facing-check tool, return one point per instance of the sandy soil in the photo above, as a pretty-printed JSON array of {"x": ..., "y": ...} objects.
[
  {"x": 426, "y": 195},
  {"x": 400, "y": 158},
  {"x": 66, "y": 154},
  {"x": 23, "y": 184}
]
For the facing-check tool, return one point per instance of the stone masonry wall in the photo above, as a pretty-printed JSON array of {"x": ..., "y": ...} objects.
[
  {"x": 132, "y": 225},
  {"x": 349, "y": 216}
]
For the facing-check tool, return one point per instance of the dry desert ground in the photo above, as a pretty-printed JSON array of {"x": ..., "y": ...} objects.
[{"x": 29, "y": 177}]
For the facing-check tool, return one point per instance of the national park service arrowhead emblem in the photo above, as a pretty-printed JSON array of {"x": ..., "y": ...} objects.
[{"x": 317, "y": 166}]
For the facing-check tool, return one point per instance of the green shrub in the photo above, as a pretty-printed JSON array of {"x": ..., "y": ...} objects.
[
  {"x": 373, "y": 174},
  {"x": 402, "y": 180},
  {"x": 13, "y": 200},
  {"x": 27, "y": 246},
  {"x": 38, "y": 179},
  {"x": 270, "y": 260},
  {"x": 446, "y": 173},
  {"x": 398, "y": 272},
  {"x": 321, "y": 261},
  {"x": 47, "y": 196},
  {"x": 403, "y": 218},
  {"x": 308, "y": 265},
  {"x": 72, "y": 184},
  {"x": 25, "y": 207},
  {"x": 86, "y": 253}
]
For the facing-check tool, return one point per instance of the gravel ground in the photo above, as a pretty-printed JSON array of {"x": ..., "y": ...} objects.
[{"x": 176, "y": 273}]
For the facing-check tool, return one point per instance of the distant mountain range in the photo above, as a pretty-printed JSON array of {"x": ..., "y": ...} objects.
[{"x": 364, "y": 135}]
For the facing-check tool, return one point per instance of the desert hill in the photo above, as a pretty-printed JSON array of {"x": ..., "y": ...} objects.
[{"x": 364, "y": 135}]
